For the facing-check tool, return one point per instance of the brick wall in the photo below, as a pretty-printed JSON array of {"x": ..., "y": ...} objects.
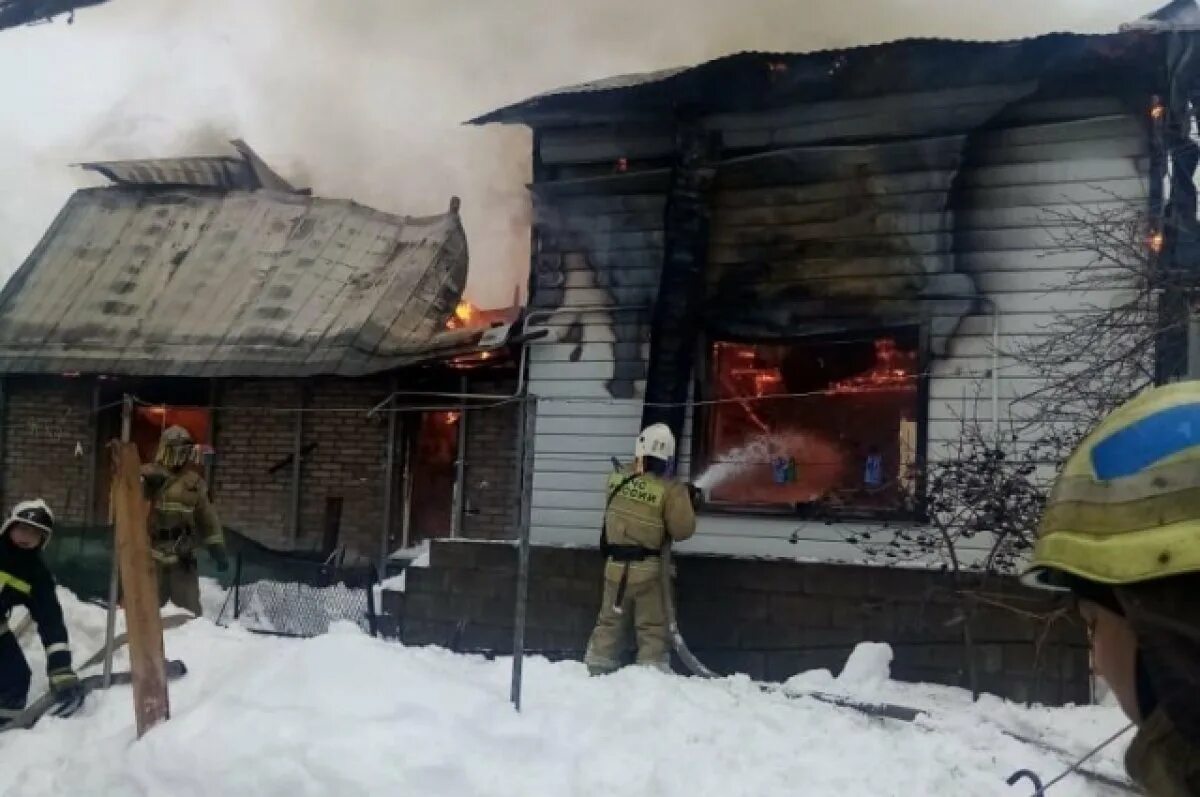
[
  {"x": 248, "y": 443},
  {"x": 45, "y": 420},
  {"x": 347, "y": 462},
  {"x": 492, "y": 499},
  {"x": 768, "y": 619}
]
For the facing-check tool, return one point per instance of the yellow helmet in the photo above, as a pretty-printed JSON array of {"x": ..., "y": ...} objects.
[
  {"x": 175, "y": 448},
  {"x": 1126, "y": 507}
]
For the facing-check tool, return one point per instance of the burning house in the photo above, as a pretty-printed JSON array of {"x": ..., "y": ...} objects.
[
  {"x": 292, "y": 335},
  {"x": 850, "y": 231},
  {"x": 806, "y": 264}
]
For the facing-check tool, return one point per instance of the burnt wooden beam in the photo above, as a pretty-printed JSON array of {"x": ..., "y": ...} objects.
[{"x": 676, "y": 322}]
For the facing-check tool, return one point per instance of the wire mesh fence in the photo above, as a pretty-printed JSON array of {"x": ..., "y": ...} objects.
[
  {"x": 268, "y": 591},
  {"x": 297, "y": 594}
]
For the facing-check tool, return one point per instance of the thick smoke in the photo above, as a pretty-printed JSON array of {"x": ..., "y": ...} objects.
[{"x": 365, "y": 99}]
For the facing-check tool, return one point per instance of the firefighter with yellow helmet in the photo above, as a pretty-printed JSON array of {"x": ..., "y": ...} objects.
[
  {"x": 182, "y": 520},
  {"x": 1121, "y": 531},
  {"x": 646, "y": 508}
]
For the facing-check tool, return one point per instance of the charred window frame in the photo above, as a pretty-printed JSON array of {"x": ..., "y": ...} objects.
[{"x": 917, "y": 333}]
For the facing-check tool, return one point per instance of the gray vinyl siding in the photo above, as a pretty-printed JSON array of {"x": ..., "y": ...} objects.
[{"x": 1004, "y": 245}]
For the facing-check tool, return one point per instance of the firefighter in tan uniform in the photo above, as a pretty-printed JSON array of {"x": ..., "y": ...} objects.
[
  {"x": 645, "y": 511},
  {"x": 1121, "y": 531},
  {"x": 182, "y": 520}
]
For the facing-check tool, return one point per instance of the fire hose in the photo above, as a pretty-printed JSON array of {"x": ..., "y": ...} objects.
[
  {"x": 680, "y": 646},
  {"x": 698, "y": 668}
]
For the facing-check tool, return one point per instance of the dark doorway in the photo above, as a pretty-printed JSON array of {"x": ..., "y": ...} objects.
[{"x": 434, "y": 452}]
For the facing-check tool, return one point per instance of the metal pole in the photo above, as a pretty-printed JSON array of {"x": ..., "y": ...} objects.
[
  {"x": 3, "y": 436},
  {"x": 460, "y": 467},
  {"x": 406, "y": 481},
  {"x": 526, "y": 471},
  {"x": 1193, "y": 342},
  {"x": 389, "y": 494},
  {"x": 237, "y": 588},
  {"x": 297, "y": 446},
  {"x": 114, "y": 576},
  {"x": 89, "y": 511},
  {"x": 214, "y": 401}
]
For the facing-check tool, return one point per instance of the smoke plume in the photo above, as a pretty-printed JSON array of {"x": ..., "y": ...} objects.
[{"x": 365, "y": 99}]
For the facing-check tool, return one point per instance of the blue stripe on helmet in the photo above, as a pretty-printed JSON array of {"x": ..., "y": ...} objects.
[{"x": 1151, "y": 439}]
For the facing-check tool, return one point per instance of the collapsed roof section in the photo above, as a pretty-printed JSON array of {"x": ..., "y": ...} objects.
[
  {"x": 247, "y": 172},
  {"x": 218, "y": 267}
]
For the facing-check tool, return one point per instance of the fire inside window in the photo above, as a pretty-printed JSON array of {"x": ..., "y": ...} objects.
[{"x": 829, "y": 421}]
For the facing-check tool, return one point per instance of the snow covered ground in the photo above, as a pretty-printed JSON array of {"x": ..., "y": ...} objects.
[{"x": 347, "y": 714}]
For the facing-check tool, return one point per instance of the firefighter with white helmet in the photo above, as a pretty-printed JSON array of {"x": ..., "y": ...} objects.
[
  {"x": 1121, "y": 531},
  {"x": 183, "y": 519},
  {"x": 26, "y": 581},
  {"x": 645, "y": 510}
]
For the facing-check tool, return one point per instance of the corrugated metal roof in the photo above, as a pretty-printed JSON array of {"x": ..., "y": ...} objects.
[
  {"x": 203, "y": 172},
  {"x": 194, "y": 282},
  {"x": 245, "y": 173},
  {"x": 872, "y": 69}
]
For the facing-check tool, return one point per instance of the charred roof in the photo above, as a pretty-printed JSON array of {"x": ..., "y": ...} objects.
[
  {"x": 206, "y": 267},
  {"x": 749, "y": 81}
]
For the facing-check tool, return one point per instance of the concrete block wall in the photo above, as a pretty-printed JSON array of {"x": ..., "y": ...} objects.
[{"x": 769, "y": 619}]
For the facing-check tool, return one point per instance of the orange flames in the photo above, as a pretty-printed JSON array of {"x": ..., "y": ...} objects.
[
  {"x": 745, "y": 372},
  {"x": 892, "y": 371},
  {"x": 464, "y": 316}
]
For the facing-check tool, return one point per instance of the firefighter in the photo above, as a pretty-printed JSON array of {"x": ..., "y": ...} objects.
[
  {"x": 645, "y": 510},
  {"x": 26, "y": 581},
  {"x": 182, "y": 520},
  {"x": 1121, "y": 531}
]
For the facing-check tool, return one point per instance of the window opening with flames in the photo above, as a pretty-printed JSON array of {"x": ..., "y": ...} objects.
[{"x": 830, "y": 421}]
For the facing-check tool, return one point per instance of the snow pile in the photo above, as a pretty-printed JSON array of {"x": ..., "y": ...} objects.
[
  {"x": 869, "y": 666},
  {"x": 347, "y": 714},
  {"x": 420, "y": 558}
]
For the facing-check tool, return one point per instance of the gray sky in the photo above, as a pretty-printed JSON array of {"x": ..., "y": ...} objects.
[{"x": 364, "y": 98}]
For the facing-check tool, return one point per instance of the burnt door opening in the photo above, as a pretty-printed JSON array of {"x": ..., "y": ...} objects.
[{"x": 433, "y": 455}]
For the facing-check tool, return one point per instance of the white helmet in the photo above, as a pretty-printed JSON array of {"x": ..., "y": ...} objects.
[
  {"x": 655, "y": 441},
  {"x": 32, "y": 513}
]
